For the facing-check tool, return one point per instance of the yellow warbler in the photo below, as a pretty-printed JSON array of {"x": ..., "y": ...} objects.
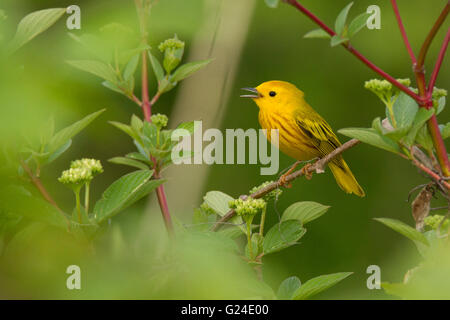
[{"x": 303, "y": 133}]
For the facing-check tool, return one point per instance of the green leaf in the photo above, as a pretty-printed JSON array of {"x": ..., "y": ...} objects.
[
  {"x": 337, "y": 40},
  {"x": 317, "y": 33},
  {"x": 421, "y": 118},
  {"x": 305, "y": 211},
  {"x": 112, "y": 86},
  {"x": 98, "y": 68},
  {"x": 188, "y": 69},
  {"x": 319, "y": 284},
  {"x": 63, "y": 136},
  {"x": 33, "y": 208},
  {"x": 403, "y": 229},
  {"x": 123, "y": 192},
  {"x": 157, "y": 68},
  {"x": 34, "y": 24},
  {"x": 440, "y": 105},
  {"x": 288, "y": 287},
  {"x": 218, "y": 201},
  {"x": 372, "y": 137},
  {"x": 137, "y": 156},
  {"x": 358, "y": 23},
  {"x": 445, "y": 130},
  {"x": 58, "y": 152},
  {"x": 405, "y": 110},
  {"x": 126, "y": 128},
  {"x": 397, "y": 134},
  {"x": 424, "y": 139},
  {"x": 272, "y": 3},
  {"x": 130, "y": 69},
  {"x": 129, "y": 162},
  {"x": 341, "y": 19},
  {"x": 283, "y": 235},
  {"x": 189, "y": 126}
]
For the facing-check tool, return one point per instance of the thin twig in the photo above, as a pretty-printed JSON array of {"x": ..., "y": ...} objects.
[
  {"x": 438, "y": 64},
  {"x": 356, "y": 53},
  {"x": 318, "y": 166},
  {"x": 403, "y": 31}
]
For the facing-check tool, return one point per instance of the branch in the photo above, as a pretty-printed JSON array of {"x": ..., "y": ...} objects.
[
  {"x": 147, "y": 109},
  {"x": 403, "y": 32},
  {"x": 438, "y": 64},
  {"x": 317, "y": 167},
  {"x": 426, "y": 45},
  {"x": 38, "y": 184},
  {"x": 347, "y": 46}
]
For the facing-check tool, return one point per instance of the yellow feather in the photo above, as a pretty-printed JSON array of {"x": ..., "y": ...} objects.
[{"x": 303, "y": 133}]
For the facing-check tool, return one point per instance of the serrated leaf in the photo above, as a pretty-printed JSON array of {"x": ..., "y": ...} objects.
[
  {"x": 272, "y": 3},
  {"x": 130, "y": 69},
  {"x": 288, "y": 287},
  {"x": 97, "y": 68},
  {"x": 372, "y": 137},
  {"x": 337, "y": 40},
  {"x": 305, "y": 211},
  {"x": 123, "y": 192},
  {"x": 188, "y": 69},
  {"x": 317, "y": 33},
  {"x": 403, "y": 229},
  {"x": 157, "y": 68},
  {"x": 129, "y": 162},
  {"x": 283, "y": 235},
  {"x": 341, "y": 19},
  {"x": 358, "y": 23},
  {"x": 64, "y": 135},
  {"x": 319, "y": 284},
  {"x": 34, "y": 24}
]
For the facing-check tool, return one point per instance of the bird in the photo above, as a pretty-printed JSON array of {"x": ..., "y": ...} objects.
[{"x": 303, "y": 134}]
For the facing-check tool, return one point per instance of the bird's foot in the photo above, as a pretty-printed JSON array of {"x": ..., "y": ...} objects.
[
  {"x": 282, "y": 181},
  {"x": 306, "y": 172}
]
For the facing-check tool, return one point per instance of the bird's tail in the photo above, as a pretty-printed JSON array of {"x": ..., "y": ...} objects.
[{"x": 345, "y": 179}]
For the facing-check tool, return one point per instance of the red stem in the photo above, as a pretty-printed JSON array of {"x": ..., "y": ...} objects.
[
  {"x": 438, "y": 64},
  {"x": 147, "y": 109},
  {"x": 403, "y": 32},
  {"x": 423, "y": 98},
  {"x": 346, "y": 45}
]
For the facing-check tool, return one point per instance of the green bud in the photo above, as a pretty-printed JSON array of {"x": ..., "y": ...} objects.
[
  {"x": 76, "y": 176},
  {"x": 93, "y": 165},
  {"x": 173, "y": 50},
  {"x": 160, "y": 120},
  {"x": 247, "y": 208},
  {"x": 274, "y": 194},
  {"x": 384, "y": 89},
  {"x": 207, "y": 209},
  {"x": 434, "y": 221},
  {"x": 438, "y": 93}
]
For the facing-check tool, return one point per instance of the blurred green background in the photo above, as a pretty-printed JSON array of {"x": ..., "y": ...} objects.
[{"x": 346, "y": 238}]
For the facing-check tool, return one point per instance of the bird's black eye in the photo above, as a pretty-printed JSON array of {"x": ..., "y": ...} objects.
[{"x": 272, "y": 93}]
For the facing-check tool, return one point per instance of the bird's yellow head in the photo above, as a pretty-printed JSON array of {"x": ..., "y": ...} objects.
[{"x": 275, "y": 95}]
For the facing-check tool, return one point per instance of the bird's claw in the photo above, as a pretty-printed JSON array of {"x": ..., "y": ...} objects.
[
  {"x": 283, "y": 183},
  {"x": 306, "y": 172}
]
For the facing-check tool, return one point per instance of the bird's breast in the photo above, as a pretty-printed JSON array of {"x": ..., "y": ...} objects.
[{"x": 292, "y": 141}]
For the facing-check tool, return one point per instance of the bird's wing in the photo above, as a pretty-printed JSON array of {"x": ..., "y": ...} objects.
[{"x": 321, "y": 135}]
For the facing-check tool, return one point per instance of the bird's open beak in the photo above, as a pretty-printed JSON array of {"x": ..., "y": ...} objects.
[{"x": 253, "y": 96}]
